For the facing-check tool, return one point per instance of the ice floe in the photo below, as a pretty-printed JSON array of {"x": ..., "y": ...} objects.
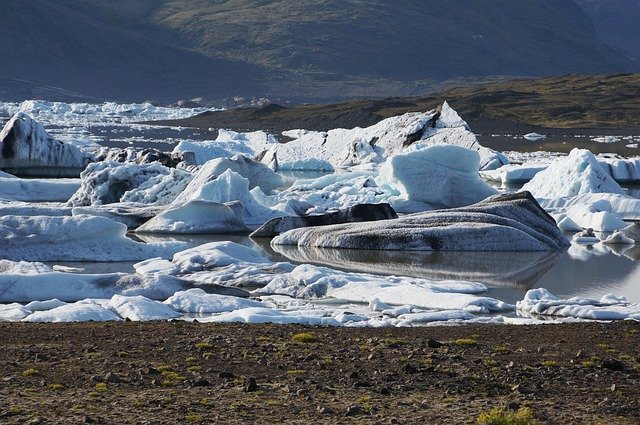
[
  {"x": 77, "y": 238},
  {"x": 37, "y": 190},
  {"x": 609, "y": 307}
]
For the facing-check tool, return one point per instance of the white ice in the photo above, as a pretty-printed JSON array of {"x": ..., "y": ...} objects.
[
  {"x": 609, "y": 307},
  {"x": 77, "y": 238},
  {"x": 576, "y": 174},
  {"x": 37, "y": 190}
]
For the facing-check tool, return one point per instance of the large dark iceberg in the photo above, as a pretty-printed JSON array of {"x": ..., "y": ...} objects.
[{"x": 509, "y": 222}]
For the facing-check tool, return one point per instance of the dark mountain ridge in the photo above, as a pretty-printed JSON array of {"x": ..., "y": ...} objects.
[{"x": 293, "y": 51}]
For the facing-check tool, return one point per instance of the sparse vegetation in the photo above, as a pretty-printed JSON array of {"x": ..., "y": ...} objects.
[
  {"x": 30, "y": 372},
  {"x": 305, "y": 338},
  {"x": 501, "y": 416}
]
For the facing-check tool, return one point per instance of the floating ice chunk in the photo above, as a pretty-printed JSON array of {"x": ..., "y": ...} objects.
[
  {"x": 566, "y": 224},
  {"x": 159, "y": 190},
  {"x": 433, "y": 316},
  {"x": 209, "y": 209},
  {"x": 44, "y": 305},
  {"x": 307, "y": 164},
  {"x": 534, "y": 136},
  {"x": 442, "y": 176},
  {"x": 576, "y": 174},
  {"x": 81, "y": 311},
  {"x": 268, "y": 315},
  {"x": 609, "y": 307},
  {"x": 78, "y": 238},
  {"x": 258, "y": 175},
  {"x": 106, "y": 182},
  {"x": 377, "y": 305},
  {"x": 216, "y": 254},
  {"x": 139, "y": 308},
  {"x": 156, "y": 266},
  {"x": 398, "y": 311},
  {"x": 23, "y": 267},
  {"x": 586, "y": 237},
  {"x": 607, "y": 139},
  {"x": 623, "y": 170},
  {"x": 618, "y": 238},
  {"x": 13, "y": 312},
  {"x": 198, "y": 301},
  {"x": 624, "y": 206},
  {"x": 513, "y": 173},
  {"x": 38, "y": 190},
  {"x": 308, "y": 281},
  {"x": 227, "y": 144},
  {"x": 596, "y": 215},
  {"x": 28, "y": 149},
  {"x": 347, "y": 148}
]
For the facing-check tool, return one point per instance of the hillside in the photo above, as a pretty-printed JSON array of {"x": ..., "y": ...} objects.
[
  {"x": 617, "y": 23},
  {"x": 291, "y": 51},
  {"x": 571, "y": 101}
]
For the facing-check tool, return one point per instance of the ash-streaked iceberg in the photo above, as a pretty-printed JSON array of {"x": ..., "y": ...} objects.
[
  {"x": 511, "y": 222},
  {"x": 27, "y": 149},
  {"x": 343, "y": 148}
]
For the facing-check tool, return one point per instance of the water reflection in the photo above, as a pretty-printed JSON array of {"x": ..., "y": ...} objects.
[{"x": 502, "y": 269}]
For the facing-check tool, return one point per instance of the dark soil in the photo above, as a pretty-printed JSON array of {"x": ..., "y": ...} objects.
[{"x": 178, "y": 372}]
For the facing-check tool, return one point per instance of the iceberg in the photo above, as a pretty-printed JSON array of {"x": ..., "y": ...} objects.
[
  {"x": 27, "y": 149},
  {"x": 343, "y": 148},
  {"x": 355, "y": 214},
  {"x": 227, "y": 144},
  {"x": 37, "y": 190},
  {"x": 108, "y": 182},
  {"x": 441, "y": 176},
  {"x": 511, "y": 222},
  {"x": 576, "y": 174},
  {"x": 221, "y": 205}
]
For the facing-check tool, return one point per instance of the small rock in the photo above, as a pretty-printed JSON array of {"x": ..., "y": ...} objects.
[
  {"x": 226, "y": 375},
  {"x": 613, "y": 387},
  {"x": 432, "y": 343},
  {"x": 41, "y": 356},
  {"x": 613, "y": 364},
  {"x": 409, "y": 368},
  {"x": 201, "y": 383},
  {"x": 354, "y": 410},
  {"x": 113, "y": 378},
  {"x": 250, "y": 385}
]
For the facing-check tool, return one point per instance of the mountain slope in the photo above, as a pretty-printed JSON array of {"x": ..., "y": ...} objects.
[
  {"x": 50, "y": 44},
  {"x": 302, "y": 50},
  {"x": 617, "y": 23}
]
